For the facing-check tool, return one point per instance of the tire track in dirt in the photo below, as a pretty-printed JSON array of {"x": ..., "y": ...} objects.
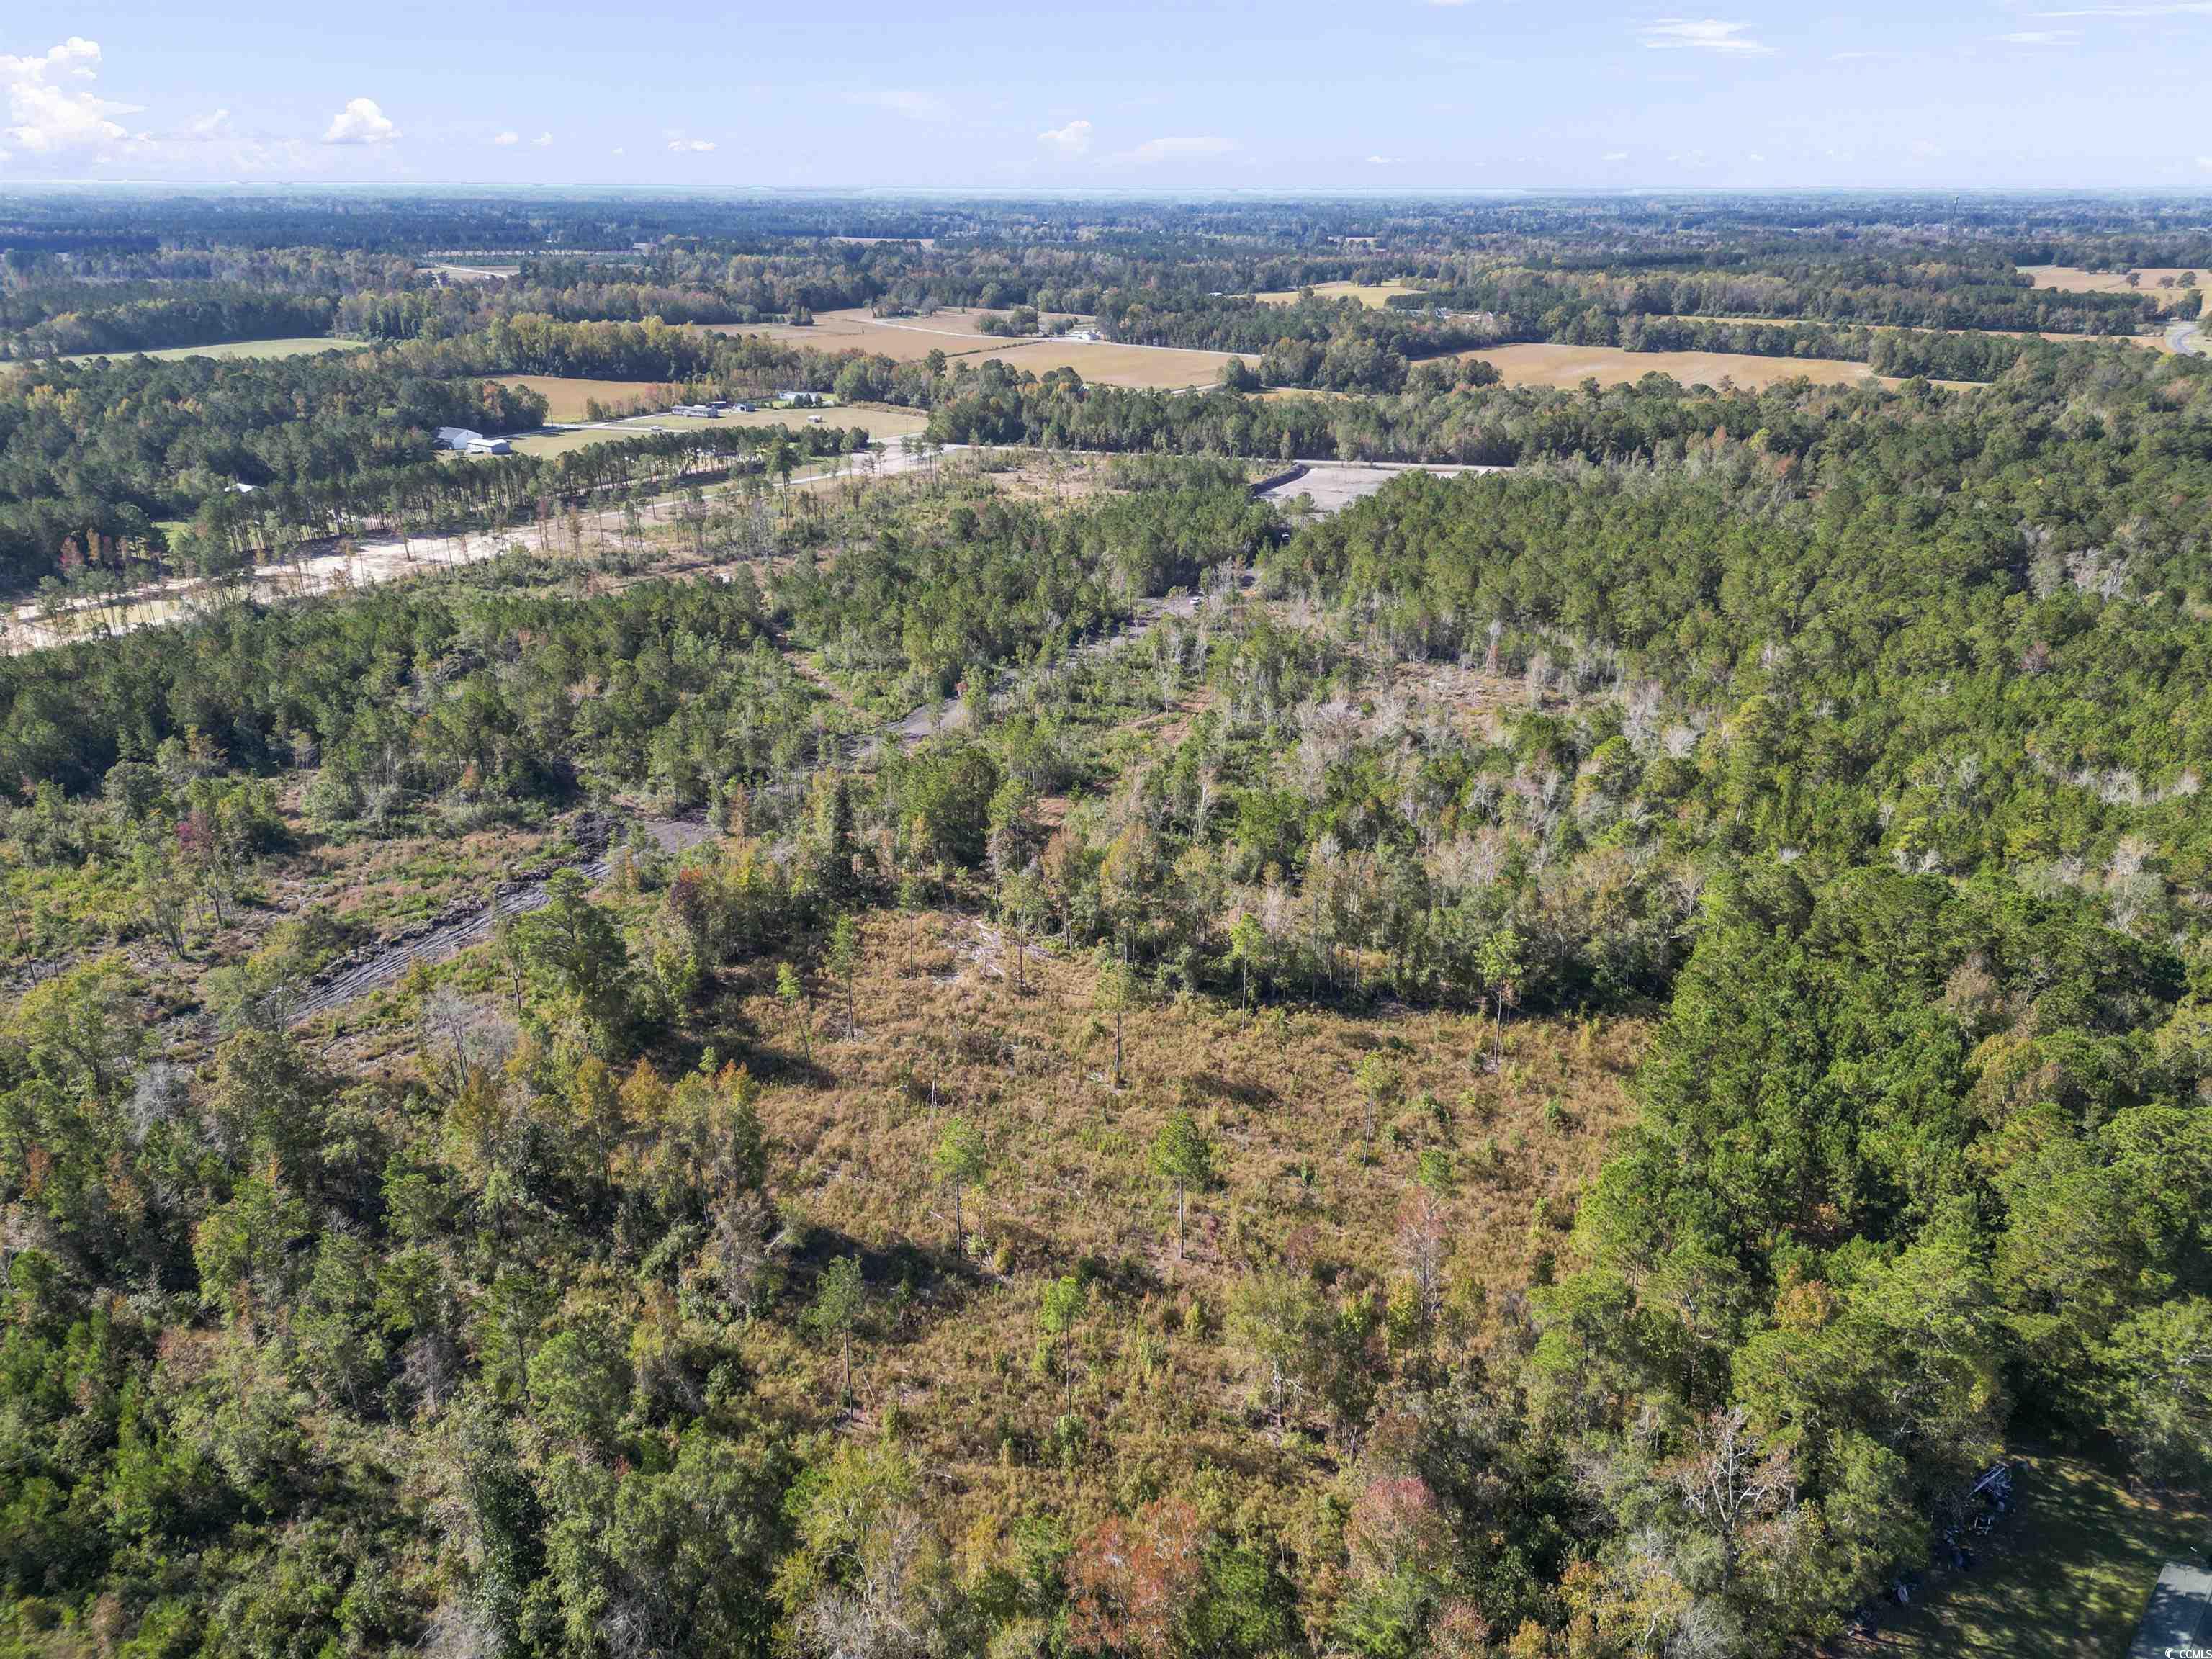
[{"x": 448, "y": 935}]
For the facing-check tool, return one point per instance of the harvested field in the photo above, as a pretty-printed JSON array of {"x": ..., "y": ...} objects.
[
  {"x": 1570, "y": 365},
  {"x": 880, "y": 421},
  {"x": 1374, "y": 295},
  {"x": 2071, "y": 279},
  {"x": 1102, "y": 363},
  {"x": 565, "y": 398},
  {"x": 910, "y": 339},
  {"x": 297, "y": 346}
]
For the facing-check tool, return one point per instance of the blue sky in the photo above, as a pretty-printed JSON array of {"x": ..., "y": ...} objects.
[{"x": 1360, "y": 94}]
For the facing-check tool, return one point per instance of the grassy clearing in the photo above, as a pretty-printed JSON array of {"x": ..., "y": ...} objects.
[
  {"x": 1547, "y": 364},
  {"x": 299, "y": 346},
  {"x": 2070, "y": 1577},
  {"x": 565, "y": 398},
  {"x": 910, "y": 339},
  {"x": 880, "y": 421},
  {"x": 1373, "y": 296},
  {"x": 1102, "y": 363},
  {"x": 949, "y": 1366},
  {"x": 1070, "y": 1181},
  {"x": 2071, "y": 279}
]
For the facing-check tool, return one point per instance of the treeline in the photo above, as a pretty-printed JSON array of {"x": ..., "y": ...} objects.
[
  {"x": 1868, "y": 293},
  {"x": 161, "y": 321},
  {"x": 93, "y": 454},
  {"x": 1451, "y": 411},
  {"x": 415, "y": 690}
]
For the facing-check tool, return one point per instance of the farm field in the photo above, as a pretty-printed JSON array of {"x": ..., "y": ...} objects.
[
  {"x": 910, "y": 339},
  {"x": 1374, "y": 295},
  {"x": 903, "y": 339},
  {"x": 565, "y": 398},
  {"x": 298, "y": 346},
  {"x": 2069, "y": 279},
  {"x": 1546, "y": 365},
  {"x": 1102, "y": 363},
  {"x": 880, "y": 421}
]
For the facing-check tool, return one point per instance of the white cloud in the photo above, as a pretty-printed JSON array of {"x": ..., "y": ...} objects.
[
  {"x": 208, "y": 128},
  {"x": 617, "y": 150},
  {"x": 2041, "y": 36},
  {"x": 1382, "y": 160},
  {"x": 691, "y": 146},
  {"x": 1073, "y": 139},
  {"x": 2205, "y": 162},
  {"x": 1615, "y": 156},
  {"x": 1702, "y": 34},
  {"x": 541, "y": 141},
  {"x": 361, "y": 121},
  {"x": 506, "y": 138},
  {"x": 900, "y": 101},
  {"x": 1153, "y": 151},
  {"x": 46, "y": 115}
]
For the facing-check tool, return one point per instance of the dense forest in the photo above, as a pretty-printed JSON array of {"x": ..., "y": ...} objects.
[{"x": 1030, "y": 1054}]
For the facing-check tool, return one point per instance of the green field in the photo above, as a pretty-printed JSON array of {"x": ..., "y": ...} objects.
[
  {"x": 298, "y": 346},
  {"x": 2067, "y": 1578}
]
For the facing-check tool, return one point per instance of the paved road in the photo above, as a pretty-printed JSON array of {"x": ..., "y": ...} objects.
[{"x": 2185, "y": 339}]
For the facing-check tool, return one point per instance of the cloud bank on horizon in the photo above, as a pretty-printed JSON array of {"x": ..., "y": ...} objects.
[{"x": 1434, "y": 95}]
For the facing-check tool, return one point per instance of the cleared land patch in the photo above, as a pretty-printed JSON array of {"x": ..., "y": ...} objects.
[
  {"x": 566, "y": 398},
  {"x": 1305, "y": 1170},
  {"x": 879, "y": 421},
  {"x": 297, "y": 346},
  {"x": 1102, "y": 362},
  {"x": 910, "y": 339},
  {"x": 1374, "y": 295},
  {"x": 1547, "y": 365},
  {"x": 2072, "y": 279}
]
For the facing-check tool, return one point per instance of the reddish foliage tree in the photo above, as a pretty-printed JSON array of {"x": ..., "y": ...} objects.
[
  {"x": 1396, "y": 1523},
  {"x": 1131, "y": 1582}
]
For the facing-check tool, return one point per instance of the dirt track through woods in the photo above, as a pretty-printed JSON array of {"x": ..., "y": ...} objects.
[{"x": 384, "y": 965}]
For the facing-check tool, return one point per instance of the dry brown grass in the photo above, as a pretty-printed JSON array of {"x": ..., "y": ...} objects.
[
  {"x": 2071, "y": 279},
  {"x": 565, "y": 398},
  {"x": 1160, "y": 1388},
  {"x": 1547, "y": 365},
  {"x": 1374, "y": 295},
  {"x": 910, "y": 339}
]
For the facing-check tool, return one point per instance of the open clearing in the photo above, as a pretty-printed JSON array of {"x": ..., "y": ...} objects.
[
  {"x": 565, "y": 398},
  {"x": 910, "y": 339},
  {"x": 1333, "y": 485},
  {"x": 880, "y": 421},
  {"x": 2071, "y": 279},
  {"x": 1300, "y": 1171},
  {"x": 1374, "y": 295},
  {"x": 1548, "y": 365},
  {"x": 298, "y": 346},
  {"x": 2068, "y": 1578}
]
